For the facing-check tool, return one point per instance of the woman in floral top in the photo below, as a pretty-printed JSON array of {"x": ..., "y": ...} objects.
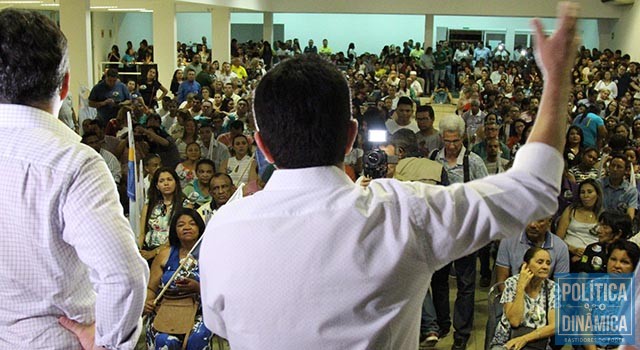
[
  {"x": 165, "y": 198},
  {"x": 187, "y": 170},
  {"x": 529, "y": 301}
]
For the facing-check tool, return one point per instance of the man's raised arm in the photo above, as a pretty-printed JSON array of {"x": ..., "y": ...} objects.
[{"x": 555, "y": 55}]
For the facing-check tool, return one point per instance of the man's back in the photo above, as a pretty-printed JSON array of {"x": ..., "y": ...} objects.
[
  {"x": 339, "y": 267},
  {"x": 46, "y": 237}
]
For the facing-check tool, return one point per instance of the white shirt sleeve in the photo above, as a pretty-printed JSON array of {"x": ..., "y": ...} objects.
[{"x": 106, "y": 245}]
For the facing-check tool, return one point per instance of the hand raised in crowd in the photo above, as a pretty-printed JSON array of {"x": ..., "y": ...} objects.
[
  {"x": 525, "y": 276},
  {"x": 555, "y": 54}
]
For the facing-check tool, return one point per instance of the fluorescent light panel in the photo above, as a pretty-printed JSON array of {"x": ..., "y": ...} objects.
[
  {"x": 129, "y": 10},
  {"x": 26, "y": 2}
]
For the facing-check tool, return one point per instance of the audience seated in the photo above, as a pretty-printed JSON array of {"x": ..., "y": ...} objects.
[
  {"x": 181, "y": 300},
  {"x": 527, "y": 318},
  {"x": 536, "y": 234},
  {"x": 497, "y": 93},
  {"x": 577, "y": 222}
]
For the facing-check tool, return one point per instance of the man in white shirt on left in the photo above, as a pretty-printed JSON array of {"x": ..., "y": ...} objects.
[{"x": 72, "y": 276}]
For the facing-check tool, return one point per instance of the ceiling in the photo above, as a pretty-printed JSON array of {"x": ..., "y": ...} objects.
[{"x": 541, "y": 8}]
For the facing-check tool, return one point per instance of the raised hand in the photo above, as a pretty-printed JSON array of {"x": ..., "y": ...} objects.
[
  {"x": 525, "y": 276},
  {"x": 555, "y": 54}
]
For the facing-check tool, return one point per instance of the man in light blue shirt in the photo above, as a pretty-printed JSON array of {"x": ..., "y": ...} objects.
[{"x": 536, "y": 234}]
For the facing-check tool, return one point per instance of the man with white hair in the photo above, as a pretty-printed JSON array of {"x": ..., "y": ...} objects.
[{"x": 461, "y": 166}]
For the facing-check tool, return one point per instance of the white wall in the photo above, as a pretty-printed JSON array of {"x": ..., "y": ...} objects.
[
  {"x": 192, "y": 26},
  {"x": 135, "y": 26},
  {"x": 369, "y": 32},
  {"x": 626, "y": 32},
  {"x": 588, "y": 28},
  {"x": 104, "y": 27}
]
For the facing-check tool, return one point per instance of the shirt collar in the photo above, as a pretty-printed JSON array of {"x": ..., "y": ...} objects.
[
  {"x": 607, "y": 183},
  {"x": 548, "y": 240},
  {"x": 26, "y": 117},
  {"x": 308, "y": 178},
  {"x": 459, "y": 161}
]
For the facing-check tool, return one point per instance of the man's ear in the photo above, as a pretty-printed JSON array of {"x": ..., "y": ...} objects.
[
  {"x": 267, "y": 154},
  {"x": 352, "y": 133},
  {"x": 64, "y": 89}
]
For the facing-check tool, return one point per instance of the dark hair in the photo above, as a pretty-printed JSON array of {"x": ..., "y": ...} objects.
[
  {"x": 528, "y": 255},
  {"x": 149, "y": 157},
  {"x": 597, "y": 207},
  {"x": 426, "y": 108},
  {"x": 406, "y": 139},
  {"x": 232, "y": 151},
  {"x": 155, "y": 196},
  {"x": 632, "y": 249},
  {"x": 86, "y": 135},
  {"x": 404, "y": 100},
  {"x": 236, "y": 124},
  {"x": 619, "y": 222},
  {"x": 206, "y": 161},
  {"x": 302, "y": 107},
  {"x": 620, "y": 156},
  {"x": 33, "y": 58},
  {"x": 113, "y": 73},
  {"x": 579, "y": 130},
  {"x": 225, "y": 175},
  {"x": 173, "y": 233}
]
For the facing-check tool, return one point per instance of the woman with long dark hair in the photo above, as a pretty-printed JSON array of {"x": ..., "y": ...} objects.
[
  {"x": 176, "y": 80},
  {"x": 149, "y": 88},
  {"x": 164, "y": 199}
]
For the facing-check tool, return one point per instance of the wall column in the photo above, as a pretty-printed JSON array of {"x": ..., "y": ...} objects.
[
  {"x": 165, "y": 39},
  {"x": 267, "y": 27},
  {"x": 221, "y": 34},
  {"x": 428, "y": 31},
  {"x": 75, "y": 23}
]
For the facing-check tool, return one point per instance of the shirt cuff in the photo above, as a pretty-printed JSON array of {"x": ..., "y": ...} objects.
[{"x": 540, "y": 159}]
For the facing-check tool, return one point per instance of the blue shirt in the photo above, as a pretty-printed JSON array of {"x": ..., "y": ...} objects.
[
  {"x": 619, "y": 198},
  {"x": 101, "y": 92},
  {"x": 589, "y": 124},
  {"x": 511, "y": 252},
  {"x": 186, "y": 88}
]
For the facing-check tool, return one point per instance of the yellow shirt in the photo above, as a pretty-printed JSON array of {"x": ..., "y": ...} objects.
[{"x": 240, "y": 71}]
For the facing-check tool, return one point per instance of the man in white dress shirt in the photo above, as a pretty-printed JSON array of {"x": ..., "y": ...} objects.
[
  {"x": 314, "y": 261},
  {"x": 69, "y": 258}
]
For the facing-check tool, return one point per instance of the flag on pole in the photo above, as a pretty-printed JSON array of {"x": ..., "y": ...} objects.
[
  {"x": 132, "y": 188},
  {"x": 131, "y": 175}
]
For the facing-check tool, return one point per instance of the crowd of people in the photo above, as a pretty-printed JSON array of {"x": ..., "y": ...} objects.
[{"x": 196, "y": 140}]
